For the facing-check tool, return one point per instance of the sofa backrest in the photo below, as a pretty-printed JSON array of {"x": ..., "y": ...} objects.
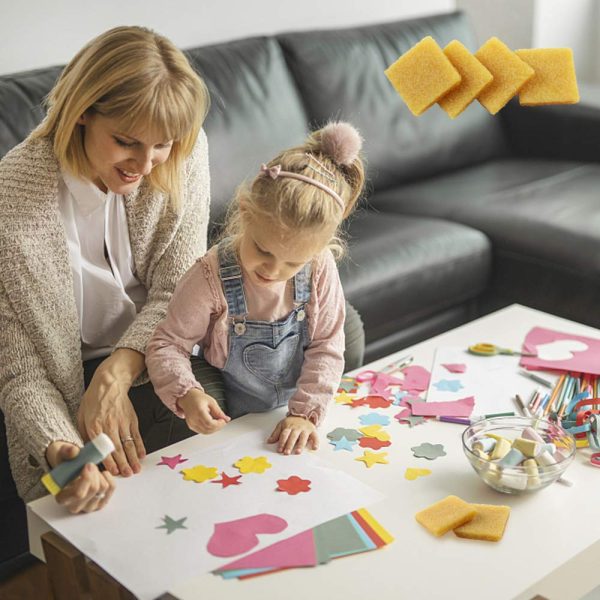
[{"x": 340, "y": 74}]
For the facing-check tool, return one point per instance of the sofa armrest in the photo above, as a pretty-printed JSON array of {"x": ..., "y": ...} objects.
[{"x": 559, "y": 132}]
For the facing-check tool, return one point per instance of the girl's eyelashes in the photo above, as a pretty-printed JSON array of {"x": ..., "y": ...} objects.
[
  {"x": 123, "y": 142},
  {"x": 261, "y": 251}
]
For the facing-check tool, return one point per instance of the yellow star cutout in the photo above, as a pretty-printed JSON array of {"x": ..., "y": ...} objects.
[
  {"x": 344, "y": 398},
  {"x": 199, "y": 473},
  {"x": 253, "y": 465},
  {"x": 375, "y": 431},
  {"x": 372, "y": 458}
]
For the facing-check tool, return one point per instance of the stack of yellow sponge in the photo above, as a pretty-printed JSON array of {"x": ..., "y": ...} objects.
[{"x": 453, "y": 77}]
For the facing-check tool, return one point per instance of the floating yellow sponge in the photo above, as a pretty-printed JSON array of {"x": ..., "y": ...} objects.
[
  {"x": 488, "y": 524},
  {"x": 447, "y": 514},
  {"x": 554, "y": 81},
  {"x": 422, "y": 75},
  {"x": 475, "y": 77},
  {"x": 509, "y": 71}
]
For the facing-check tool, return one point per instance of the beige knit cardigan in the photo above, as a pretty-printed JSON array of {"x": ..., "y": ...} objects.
[{"x": 41, "y": 373}]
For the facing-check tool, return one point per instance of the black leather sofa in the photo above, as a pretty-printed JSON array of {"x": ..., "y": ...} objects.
[{"x": 459, "y": 217}]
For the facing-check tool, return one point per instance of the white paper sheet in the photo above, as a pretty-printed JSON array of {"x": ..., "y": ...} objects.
[{"x": 123, "y": 538}]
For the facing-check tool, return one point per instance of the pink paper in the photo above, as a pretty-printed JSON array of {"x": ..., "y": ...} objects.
[
  {"x": 235, "y": 537},
  {"x": 455, "y": 367},
  {"x": 416, "y": 379},
  {"x": 297, "y": 551},
  {"x": 581, "y": 355},
  {"x": 380, "y": 386},
  {"x": 452, "y": 408}
]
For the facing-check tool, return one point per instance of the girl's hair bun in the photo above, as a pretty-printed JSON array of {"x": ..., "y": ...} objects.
[{"x": 341, "y": 142}]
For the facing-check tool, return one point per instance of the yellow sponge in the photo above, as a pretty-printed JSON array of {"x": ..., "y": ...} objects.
[
  {"x": 509, "y": 71},
  {"x": 554, "y": 81},
  {"x": 422, "y": 75},
  {"x": 488, "y": 524},
  {"x": 475, "y": 77},
  {"x": 447, "y": 514}
]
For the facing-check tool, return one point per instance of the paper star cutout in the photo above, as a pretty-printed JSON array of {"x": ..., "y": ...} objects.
[
  {"x": 448, "y": 385},
  {"x": 171, "y": 461},
  {"x": 412, "y": 474},
  {"x": 293, "y": 485},
  {"x": 348, "y": 385},
  {"x": 226, "y": 481},
  {"x": 339, "y": 432},
  {"x": 253, "y": 465},
  {"x": 374, "y": 419},
  {"x": 343, "y": 444},
  {"x": 199, "y": 473},
  {"x": 372, "y": 458},
  {"x": 373, "y": 443},
  {"x": 375, "y": 431},
  {"x": 171, "y": 525},
  {"x": 428, "y": 451},
  {"x": 372, "y": 402},
  {"x": 344, "y": 398}
]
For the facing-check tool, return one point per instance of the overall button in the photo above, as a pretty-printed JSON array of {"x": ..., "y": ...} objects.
[
  {"x": 301, "y": 315},
  {"x": 239, "y": 328}
]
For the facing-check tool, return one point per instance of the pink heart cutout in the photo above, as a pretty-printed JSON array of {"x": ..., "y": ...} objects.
[{"x": 235, "y": 537}]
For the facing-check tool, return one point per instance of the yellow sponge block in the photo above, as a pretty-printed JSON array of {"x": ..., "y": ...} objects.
[
  {"x": 447, "y": 514},
  {"x": 554, "y": 81},
  {"x": 509, "y": 71},
  {"x": 422, "y": 75},
  {"x": 475, "y": 77},
  {"x": 488, "y": 524}
]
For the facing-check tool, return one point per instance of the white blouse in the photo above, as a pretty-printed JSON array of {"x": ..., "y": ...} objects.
[{"x": 107, "y": 293}]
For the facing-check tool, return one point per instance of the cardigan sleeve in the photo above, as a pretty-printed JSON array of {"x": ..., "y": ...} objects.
[
  {"x": 34, "y": 409},
  {"x": 188, "y": 242}
]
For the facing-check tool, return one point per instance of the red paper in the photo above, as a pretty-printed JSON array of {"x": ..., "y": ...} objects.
[
  {"x": 373, "y": 443},
  {"x": 293, "y": 485},
  {"x": 372, "y": 401}
]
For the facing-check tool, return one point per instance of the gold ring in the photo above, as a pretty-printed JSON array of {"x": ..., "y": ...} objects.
[{"x": 127, "y": 439}]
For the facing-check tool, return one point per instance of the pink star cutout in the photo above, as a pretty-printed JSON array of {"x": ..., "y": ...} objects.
[{"x": 171, "y": 461}]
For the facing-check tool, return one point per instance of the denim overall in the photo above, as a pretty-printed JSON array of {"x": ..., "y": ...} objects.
[{"x": 265, "y": 358}]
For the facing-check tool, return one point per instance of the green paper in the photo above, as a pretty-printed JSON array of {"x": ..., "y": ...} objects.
[{"x": 337, "y": 537}]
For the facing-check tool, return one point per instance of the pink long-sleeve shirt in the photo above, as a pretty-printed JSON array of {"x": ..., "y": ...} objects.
[{"x": 197, "y": 314}]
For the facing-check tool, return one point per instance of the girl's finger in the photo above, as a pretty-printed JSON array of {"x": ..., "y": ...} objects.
[
  {"x": 291, "y": 441},
  {"x": 275, "y": 434},
  {"x": 283, "y": 437},
  {"x": 314, "y": 439},
  {"x": 301, "y": 443}
]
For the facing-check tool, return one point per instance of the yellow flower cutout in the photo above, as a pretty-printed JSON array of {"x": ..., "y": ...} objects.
[
  {"x": 253, "y": 465},
  {"x": 344, "y": 398},
  {"x": 199, "y": 473},
  {"x": 375, "y": 431}
]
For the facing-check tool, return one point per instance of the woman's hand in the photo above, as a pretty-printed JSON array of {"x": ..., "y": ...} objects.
[
  {"x": 293, "y": 434},
  {"x": 202, "y": 412},
  {"x": 90, "y": 490},
  {"x": 106, "y": 408}
]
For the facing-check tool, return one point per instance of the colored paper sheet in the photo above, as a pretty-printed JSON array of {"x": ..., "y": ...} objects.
[
  {"x": 561, "y": 351},
  {"x": 455, "y": 367},
  {"x": 339, "y": 537},
  {"x": 382, "y": 383},
  {"x": 416, "y": 379},
  {"x": 452, "y": 408}
]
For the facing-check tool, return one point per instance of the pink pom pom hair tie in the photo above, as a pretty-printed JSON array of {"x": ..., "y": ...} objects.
[{"x": 341, "y": 142}]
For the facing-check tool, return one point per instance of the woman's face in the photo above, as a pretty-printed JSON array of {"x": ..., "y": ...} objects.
[{"x": 120, "y": 159}]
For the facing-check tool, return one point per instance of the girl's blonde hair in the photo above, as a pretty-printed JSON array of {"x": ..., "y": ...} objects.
[
  {"x": 330, "y": 156},
  {"x": 140, "y": 79}
]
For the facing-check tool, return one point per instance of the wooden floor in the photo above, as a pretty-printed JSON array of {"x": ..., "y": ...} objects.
[{"x": 30, "y": 583}]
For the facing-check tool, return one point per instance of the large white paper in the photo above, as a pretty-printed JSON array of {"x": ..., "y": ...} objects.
[{"x": 124, "y": 539}]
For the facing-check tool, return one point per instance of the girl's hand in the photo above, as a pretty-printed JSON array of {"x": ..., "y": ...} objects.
[
  {"x": 293, "y": 434},
  {"x": 90, "y": 490},
  {"x": 106, "y": 408},
  {"x": 202, "y": 412}
]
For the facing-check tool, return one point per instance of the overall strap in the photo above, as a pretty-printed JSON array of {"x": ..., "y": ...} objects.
[
  {"x": 231, "y": 279},
  {"x": 302, "y": 284}
]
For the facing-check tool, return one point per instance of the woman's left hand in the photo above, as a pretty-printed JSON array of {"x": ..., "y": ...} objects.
[
  {"x": 106, "y": 408},
  {"x": 293, "y": 434}
]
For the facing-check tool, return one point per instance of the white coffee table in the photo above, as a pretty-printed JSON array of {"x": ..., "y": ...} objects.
[{"x": 551, "y": 545}]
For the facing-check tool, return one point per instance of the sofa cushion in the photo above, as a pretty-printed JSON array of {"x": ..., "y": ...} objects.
[
  {"x": 340, "y": 74},
  {"x": 256, "y": 111},
  {"x": 404, "y": 269}
]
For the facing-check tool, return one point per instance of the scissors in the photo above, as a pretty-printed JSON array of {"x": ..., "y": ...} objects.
[
  {"x": 492, "y": 350},
  {"x": 397, "y": 365}
]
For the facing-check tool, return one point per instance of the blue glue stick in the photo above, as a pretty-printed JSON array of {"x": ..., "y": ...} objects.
[{"x": 94, "y": 451}]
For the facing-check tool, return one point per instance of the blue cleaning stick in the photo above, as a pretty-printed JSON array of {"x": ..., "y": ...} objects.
[{"x": 94, "y": 451}]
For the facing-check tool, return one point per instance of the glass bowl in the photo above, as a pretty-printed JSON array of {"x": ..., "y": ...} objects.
[{"x": 543, "y": 467}]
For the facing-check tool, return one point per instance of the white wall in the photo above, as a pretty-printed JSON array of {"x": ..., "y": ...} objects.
[{"x": 40, "y": 33}]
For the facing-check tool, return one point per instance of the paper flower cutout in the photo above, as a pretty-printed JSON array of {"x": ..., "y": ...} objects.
[
  {"x": 375, "y": 431},
  {"x": 171, "y": 461},
  {"x": 348, "y": 385},
  {"x": 412, "y": 474},
  {"x": 171, "y": 524},
  {"x": 428, "y": 451},
  {"x": 373, "y": 458},
  {"x": 373, "y": 443},
  {"x": 448, "y": 385},
  {"x": 372, "y": 402},
  {"x": 253, "y": 465},
  {"x": 344, "y": 398},
  {"x": 374, "y": 419},
  {"x": 226, "y": 481},
  {"x": 343, "y": 444},
  {"x": 455, "y": 367},
  {"x": 199, "y": 473},
  {"x": 293, "y": 485},
  {"x": 339, "y": 432}
]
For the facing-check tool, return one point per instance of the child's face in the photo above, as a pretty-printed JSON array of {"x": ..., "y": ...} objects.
[{"x": 269, "y": 254}]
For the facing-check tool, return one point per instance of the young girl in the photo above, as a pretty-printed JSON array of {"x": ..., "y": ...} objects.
[{"x": 266, "y": 304}]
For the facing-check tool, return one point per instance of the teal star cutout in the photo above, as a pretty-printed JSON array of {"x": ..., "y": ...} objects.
[{"x": 171, "y": 524}]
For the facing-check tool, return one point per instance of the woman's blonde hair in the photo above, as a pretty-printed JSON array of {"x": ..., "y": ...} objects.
[
  {"x": 329, "y": 156},
  {"x": 140, "y": 79}
]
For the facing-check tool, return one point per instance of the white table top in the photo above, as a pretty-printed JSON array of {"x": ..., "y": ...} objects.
[{"x": 551, "y": 545}]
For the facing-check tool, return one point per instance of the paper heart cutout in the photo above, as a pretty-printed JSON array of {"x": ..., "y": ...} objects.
[
  {"x": 239, "y": 536},
  {"x": 412, "y": 474},
  {"x": 560, "y": 349}
]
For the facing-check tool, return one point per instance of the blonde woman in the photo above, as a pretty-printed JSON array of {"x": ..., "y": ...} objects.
[{"x": 104, "y": 207}]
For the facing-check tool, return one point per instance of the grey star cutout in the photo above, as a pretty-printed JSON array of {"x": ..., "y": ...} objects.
[{"x": 171, "y": 524}]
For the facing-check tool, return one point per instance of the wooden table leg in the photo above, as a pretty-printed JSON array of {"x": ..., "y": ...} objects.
[
  {"x": 104, "y": 587},
  {"x": 67, "y": 575}
]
